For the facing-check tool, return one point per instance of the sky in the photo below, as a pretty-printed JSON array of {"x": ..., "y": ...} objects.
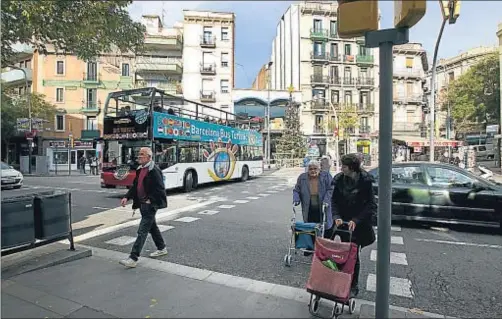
[{"x": 256, "y": 23}]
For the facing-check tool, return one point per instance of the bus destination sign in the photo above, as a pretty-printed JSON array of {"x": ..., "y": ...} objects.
[
  {"x": 173, "y": 127},
  {"x": 130, "y": 127}
]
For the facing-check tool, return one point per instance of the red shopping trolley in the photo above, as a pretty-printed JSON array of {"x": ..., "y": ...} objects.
[{"x": 331, "y": 274}]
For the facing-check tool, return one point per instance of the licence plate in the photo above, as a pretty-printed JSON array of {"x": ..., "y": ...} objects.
[{"x": 8, "y": 181}]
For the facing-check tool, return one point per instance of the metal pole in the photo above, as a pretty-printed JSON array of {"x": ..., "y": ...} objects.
[
  {"x": 337, "y": 151},
  {"x": 28, "y": 99},
  {"x": 432, "y": 115},
  {"x": 268, "y": 113},
  {"x": 385, "y": 39}
]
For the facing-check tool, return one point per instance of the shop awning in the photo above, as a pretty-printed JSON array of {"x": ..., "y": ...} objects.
[{"x": 412, "y": 141}]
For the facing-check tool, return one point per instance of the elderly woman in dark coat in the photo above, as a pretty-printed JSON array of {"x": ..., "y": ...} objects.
[
  {"x": 312, "y": 191},
  {"x": 354, "y": 202}
]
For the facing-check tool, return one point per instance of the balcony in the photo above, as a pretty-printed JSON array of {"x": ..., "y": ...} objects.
[
  {"x": 208, "y": 96},
  {"x": 165, "y": 65},
  {"x": 91, "y": 77},
  {"x": 365, "y": 107},
  {"x": 414, "y": 99},
  {"x": 318, "y": 130},
  {"x": 349, "y": 81},
  {"x": 208, "y": 68},
  {"x": 316, "y": 80},
  {"x": 14, "y": 77},
  {"x": 399, "y": 98},
  {"x": 400, "y": 126},
  {"x": 319, "y": 8},
  {"x": 319, "y": 34},
  {"x": 170, "y": 40},
  {"x": 208, "y": 42},
  {"x": 90, "y": 134},
  {"x": 365, "y": 59},
  {"x": 365, "y": 82},
  {"x": 333, "y": 34},
  {"x": 91, "y": 107},
  {"x": 364, "y": 129},
  {"x": 335, "y": 81},
  {"x": 319, "y": 106},
  {"x": 335, "y": 58},
  {"x": 407, "y": 73},
  {"x": 349, "y": 58},
  {"x": 319, "y": 57}
]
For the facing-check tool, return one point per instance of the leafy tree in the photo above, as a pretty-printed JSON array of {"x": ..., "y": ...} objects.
[
  {"x": 347, "y": 118},
  {"x": 14, "y": 107},
  {"x": 474, "y": 98},
  {"x": 81, "y": 27},
  {"x": 292, "y": 140}
]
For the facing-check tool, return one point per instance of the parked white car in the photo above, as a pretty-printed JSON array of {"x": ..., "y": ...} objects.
[{"x": 10, "y": 177}]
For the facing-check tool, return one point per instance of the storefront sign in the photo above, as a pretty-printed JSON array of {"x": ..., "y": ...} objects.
[
  {"x": 436, "y": 143},
  {"x": 169, "y": 126},
  {"x": 134, "y": 126},
  {"x": 59, "y": 144}
]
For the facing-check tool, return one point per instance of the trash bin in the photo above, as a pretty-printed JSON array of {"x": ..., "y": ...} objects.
[
  {"x": 18, "y": 225},
  {"x": 52, "y": 215}
]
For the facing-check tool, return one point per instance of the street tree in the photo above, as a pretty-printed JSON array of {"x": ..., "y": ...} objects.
[
  {"x": 16, "y": 107},
  {"x": 80, "y": 27},
  {"x": 292, "y": 142},
  {"x": 347, "y": 119},
  {"x": 474, "y": 97}
]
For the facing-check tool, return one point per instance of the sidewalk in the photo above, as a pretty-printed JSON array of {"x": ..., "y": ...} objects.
[
  {"x": 98, "y": 287},
  {"x": 60, "y": 174}
]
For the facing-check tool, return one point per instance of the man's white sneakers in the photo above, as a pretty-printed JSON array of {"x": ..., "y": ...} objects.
[
  {"x": 129, "y": 263},
  {"x": 159, "y": 253}
]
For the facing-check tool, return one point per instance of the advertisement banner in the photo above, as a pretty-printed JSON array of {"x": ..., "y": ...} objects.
[
  {"x": 169, "y": 126},
  {"x": 134, "y": 126}
]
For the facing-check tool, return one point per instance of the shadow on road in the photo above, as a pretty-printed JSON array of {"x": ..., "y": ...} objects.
[{"x": 487, "y": 230}]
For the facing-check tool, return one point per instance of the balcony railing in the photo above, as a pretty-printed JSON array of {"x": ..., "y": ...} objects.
[
  {"x": 208, "y": 41},
  {"x": 320, "y": 105},
  {"x": 399, "y": 98},
  {"x": 207, "y": 96},
  {"x": 364, "y": 129},
  {"x": 407, "y": 73},
  {"x": 335, "y": 58},
  {"x": 90, "y": 77},
  {"x": 90, "y": 134},
  {"x": 208, "y": 68},
  {"x": 335, "y": 80},
  {"x": 365, "y": 59},
  {"x": 349, "y": 81},
  {"x": 316, "y": 56},
  {"x": 91, "y": 106},
  {"x": 349, "y": 58},
  {"x": 319, "y": 130},
  {"x": 414, "y": 98},
  {"x": 405, "y": 127},
  {"x": 365, "y": 81},
  {"x": 318, "y": 33},
  {"x": 319, "y": 79},
  {"x": 333, "y": 34},
  {"x": 365, "y": 107},
  {"x": 170, "y": 64}
]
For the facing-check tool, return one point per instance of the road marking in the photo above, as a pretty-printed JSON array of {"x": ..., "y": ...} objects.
[
  {"x": 162, "y": 215},
  {"x": 241, "y": 201},
  {"x": 186, "y": 219},
  {"x": 398, "y": 286},
  {"x": 395, "y": 258},
  {"x": 121, "y": 241},
  {"x": 459, "y": 243},
  {"x": 392, "y": 228},
  {"x": 394, "y": 240},
  {"x": 245, "y": 192},
  {"x": 226, "y": 206},
  {"x": 164, "y": 228},
  {"x": 252, "y": 197},
  {"x": 272, "y": 192},
  {"x": 264, "y": 195},
  {"x": 261, "y": 287},
  {"x": 208, "y": 212}
]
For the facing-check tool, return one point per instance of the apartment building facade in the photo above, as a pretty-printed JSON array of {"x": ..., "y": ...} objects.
[
  {"x": 208, "y": 59},
  {"x": 448, "y": 70},
  {"x": 333, "y": 74},
  {"x": 410, "y": 67}
]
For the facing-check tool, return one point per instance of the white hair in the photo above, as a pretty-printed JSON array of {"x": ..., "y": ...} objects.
[
  {"x": 148, "y": 151},
  {"x": 315, "y": 163}
]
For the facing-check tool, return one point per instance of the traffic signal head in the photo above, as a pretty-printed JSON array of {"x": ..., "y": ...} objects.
[
  {"x": 356, "y": 17},
  {"x": 450, "y": 10},
  {"x": 407, "y": 13}
]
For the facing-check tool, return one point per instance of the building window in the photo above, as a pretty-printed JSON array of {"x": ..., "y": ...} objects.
[
  {"x": 334, "y": 50},
  {"x": 59, "y": 122},
  {"x": 60, "y": 67},
  {"x": 335, "y": 97},
  {"x": 451, "y": 76},
  {"x": 208, "y": 34},
  {"x": 348, "y": 97},
  {"x": 125, "y": 69},
  {"x": 224, "y": 86},
  {"x": 332, "y": 30},
  {"x": 347, "y": 49},
  {"x": 92, "y": 71},
  {"x": 224, "y": 107},
  {"x": 317, "y": 25},
  {"x": 363, "y": 50},
  {"x": 207, "y": 86},
  {"x": 334, "y": 73},
  {"x": 91, "y": 95},
  {"x": 363, "y": 98},
  {"x": 224, "y": 34},
  {"x": 318, "y": 48},
  {"x": 409, "y": 89},
  {"x": 318, "y": 95},
  {"x": 347, "y": 73},
  {"x": 224, "y": 59},
  {"x": 92, "y": 123},
  {"x": 409, "y": 62},
  {"x": 363, "y": 73},
  {"x": 60, "y": 95},
  {"x": 318, "y": 120},
  {"x": 363, "y": 124}
]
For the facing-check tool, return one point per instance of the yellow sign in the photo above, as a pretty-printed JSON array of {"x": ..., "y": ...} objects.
[
  {"x": 291, "y": 89},
  {"x": 357, "y": 17},
  {"x": 407, "y": 13},
  {"x": 223, "y": 157}
]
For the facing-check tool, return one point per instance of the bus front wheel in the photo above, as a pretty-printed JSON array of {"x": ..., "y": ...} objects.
[
  {"x": 190, "y": 181},
  {"x": 245, "y": 174}
]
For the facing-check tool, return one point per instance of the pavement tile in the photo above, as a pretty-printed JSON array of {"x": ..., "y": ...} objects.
[
  {"x": 86, "y": 312},
  {"x": 13, "y": 307},
  {"x": 58, "y": 305}
]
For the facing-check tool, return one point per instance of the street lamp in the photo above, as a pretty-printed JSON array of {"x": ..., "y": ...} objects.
[
  {"x": 269, "y": 81},
  {"x": 30, "y": 127}
]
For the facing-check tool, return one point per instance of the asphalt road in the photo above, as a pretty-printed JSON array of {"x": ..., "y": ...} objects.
[{"x": 452, "y": 271}]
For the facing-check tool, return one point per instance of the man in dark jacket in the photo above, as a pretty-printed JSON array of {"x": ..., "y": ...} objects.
[
  {"x": 148, "y": 194},
  {"x": 354, "y": 202}
]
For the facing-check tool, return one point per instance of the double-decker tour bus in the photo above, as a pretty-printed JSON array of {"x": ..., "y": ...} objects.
[{"x": 192, "y": 143}]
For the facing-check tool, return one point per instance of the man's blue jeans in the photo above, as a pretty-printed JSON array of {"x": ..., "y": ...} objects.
[{"x": 147, "y": 225}]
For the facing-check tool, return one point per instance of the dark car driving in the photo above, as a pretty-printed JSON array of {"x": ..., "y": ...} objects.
[{"x": 444, "y": 193}]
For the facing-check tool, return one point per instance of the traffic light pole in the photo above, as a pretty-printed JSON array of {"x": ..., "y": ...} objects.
[{"x": 385, "y": 40}]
